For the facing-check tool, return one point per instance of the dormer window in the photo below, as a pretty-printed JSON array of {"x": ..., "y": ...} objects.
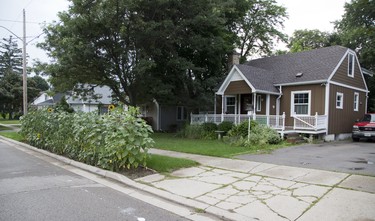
[{"x": 351, "y": 65}]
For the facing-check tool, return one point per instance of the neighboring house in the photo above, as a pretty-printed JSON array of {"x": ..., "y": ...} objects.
[
  {"x": 164, "y": 117},
  {"x": 321, "y": 91},
  {"x": 101, "y": 101}
]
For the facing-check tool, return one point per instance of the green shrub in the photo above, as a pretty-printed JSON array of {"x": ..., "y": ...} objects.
[
  {"x": 242, "y": 129},
  {"x": 111, "y": 141},
  {"x": 209, "y": 127},
  {"x": 225, "y": 126},
  {"x": 192, "y": 131}
]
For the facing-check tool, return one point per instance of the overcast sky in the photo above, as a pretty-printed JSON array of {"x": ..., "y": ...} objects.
[{"x": 303, "y": 14}]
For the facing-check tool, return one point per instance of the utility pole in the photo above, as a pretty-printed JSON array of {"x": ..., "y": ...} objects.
[{"x": 24, "y": 73}]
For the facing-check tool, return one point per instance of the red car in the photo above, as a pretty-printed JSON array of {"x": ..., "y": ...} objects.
[{"x": 364, "y": 128}]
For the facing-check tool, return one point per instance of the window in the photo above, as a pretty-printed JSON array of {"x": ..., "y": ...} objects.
[
  {"x": 300, "y": 101},
  {"x": 351, "y": 65},
  {"x": 339, "y": 100},
  {"x": 259, "y": 102},
  {"x": 181, "y": 113},
  {"x": 230, "y": 107},
  {"x": 356, "y": 101}
]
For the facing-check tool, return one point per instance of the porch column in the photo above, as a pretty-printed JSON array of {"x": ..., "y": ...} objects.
[
  {"x": 239, "y": 108},
  {"x": 215, "y": 108},
  {"x": 222, "y": 107},
  {"x": 254, "y": 105},
  {"x": 268, "y": 98}
]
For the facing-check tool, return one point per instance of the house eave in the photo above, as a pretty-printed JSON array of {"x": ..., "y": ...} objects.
[{"x": 302, "y": 83}]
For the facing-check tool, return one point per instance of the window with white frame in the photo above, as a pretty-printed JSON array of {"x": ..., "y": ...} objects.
[
  {"x": 351, "y": 63},
  {"x": 181, "y": 113},
  {"x": 339, "y": 100},
  {"x": 356, "y": 101},
  {"x": 259, "y": 103},
  {"x": 301, "y": 102},
  {"x": 230, "y": 104}
]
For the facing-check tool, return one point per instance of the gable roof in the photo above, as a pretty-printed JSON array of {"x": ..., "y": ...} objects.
[{"x": 314, "y": 66}]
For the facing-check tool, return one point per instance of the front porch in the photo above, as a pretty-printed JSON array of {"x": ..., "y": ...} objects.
[{"x": 316, "y": 124}]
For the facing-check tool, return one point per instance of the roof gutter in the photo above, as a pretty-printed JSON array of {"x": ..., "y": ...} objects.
[{"x": 302, "y": 83}]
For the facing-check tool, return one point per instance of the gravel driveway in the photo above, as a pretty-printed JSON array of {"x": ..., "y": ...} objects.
[{"x": 341, "y": 156}]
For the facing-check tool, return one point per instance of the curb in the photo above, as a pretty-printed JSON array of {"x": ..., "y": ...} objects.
[{"x": 190, "y": 203}]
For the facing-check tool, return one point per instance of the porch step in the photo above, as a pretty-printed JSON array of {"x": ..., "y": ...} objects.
[{"x": 294, "y": 138}]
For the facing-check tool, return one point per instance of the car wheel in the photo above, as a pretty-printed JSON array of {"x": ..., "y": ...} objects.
[{"x": 355, "y": 139}]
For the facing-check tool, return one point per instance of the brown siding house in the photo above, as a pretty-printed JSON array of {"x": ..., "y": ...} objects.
[{"x": 320, "y": 91}]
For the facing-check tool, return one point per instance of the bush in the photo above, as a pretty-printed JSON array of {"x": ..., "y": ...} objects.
[
  {"x": 192, "y": 131},
  {"x": 242, "y": 129},
  {"x": 209, "y": 127},
  {"x": 225, "y": 126},
  {"x": 111, "y": 141},
  {"x": 259, "y": 135}
]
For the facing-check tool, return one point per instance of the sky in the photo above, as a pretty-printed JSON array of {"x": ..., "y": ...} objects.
[{"x": 303, "y": 14}]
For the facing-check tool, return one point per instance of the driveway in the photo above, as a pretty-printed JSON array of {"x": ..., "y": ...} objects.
[{"x": 341, "y": 156}]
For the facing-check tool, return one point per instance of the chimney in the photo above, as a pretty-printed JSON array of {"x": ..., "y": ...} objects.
[{"x": 233, "y": 58}]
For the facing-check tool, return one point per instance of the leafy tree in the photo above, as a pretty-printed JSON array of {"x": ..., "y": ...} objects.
[
  {"x": 303, "y": 40},
  {"x": 40, "y": 83},
  {"x": 357, "y": 31},
  {"x": 10, "y": 57},
  {"x": 259, "y": 28}
]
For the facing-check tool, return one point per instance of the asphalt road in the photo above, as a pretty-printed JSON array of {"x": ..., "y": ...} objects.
[
  {"x": 33, "y": 189},
  {"x": 342, "y": 156}
]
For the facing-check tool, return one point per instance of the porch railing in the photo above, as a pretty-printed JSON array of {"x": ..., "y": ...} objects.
[
  {"x": 316, "y": 122},
  {"x": 274, "y": 121}
]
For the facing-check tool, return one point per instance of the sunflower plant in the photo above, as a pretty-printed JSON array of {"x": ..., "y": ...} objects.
[{"x": 111, "y": 141}]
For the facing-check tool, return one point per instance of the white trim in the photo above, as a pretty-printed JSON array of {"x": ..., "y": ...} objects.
[
  {"x": 259, "y": 105},
  {"x": 356, "y": 101},
  {"x": 302, "y": 83},
  {"x": 292, "y": 112},
  {"x": 339, "y": 94},
  {"x": 350, "y": 54},
  {"x": 268, "y": 99},
  {"x": 227, "y": 80},
  {"x": 266, "y": 92},
  {"x": 347, "y": 86},
  {"x": 225, "y": 103},
  {"x": 338, "y": 65},
  {"x": 326, "y": 104}
]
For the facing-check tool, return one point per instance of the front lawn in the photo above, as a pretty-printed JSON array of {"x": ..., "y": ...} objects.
[
  {"x": 3, "y": 121},
  {"x": 164, "y": 164},
  {"x": 167, "y": 141},
  {"x": 12, "y": 135},
  {"x": 161, "y": 164}
]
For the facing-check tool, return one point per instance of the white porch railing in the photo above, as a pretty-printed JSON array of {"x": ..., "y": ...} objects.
[
  {"x": 316, "y": 122},
  {"x": 274, "y": 121}
]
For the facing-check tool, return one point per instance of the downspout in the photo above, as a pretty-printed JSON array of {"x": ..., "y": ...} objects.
[
  {"x": 215, "y": 108},
  {"x": 278, "y": 101},
  {"x": 157, "y": 115}
]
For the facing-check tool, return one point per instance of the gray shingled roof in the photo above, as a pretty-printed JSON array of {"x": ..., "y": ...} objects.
[
  {"x": 315, "y": 65},
  {"x": 261, "y": 79}
]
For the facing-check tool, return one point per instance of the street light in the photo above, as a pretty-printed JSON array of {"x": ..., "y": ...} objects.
[{"x": 24, "y": 74}]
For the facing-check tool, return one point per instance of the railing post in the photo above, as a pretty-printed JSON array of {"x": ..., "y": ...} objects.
[
  {"x": 191, "y": 118},
  {"x": 316, "y": 121},
  {"x": 283, "y": 128},
  {"x": 205, "y": 118},
  {"x": 222, "y": 116},
  {"x": 294, "y": 121}
]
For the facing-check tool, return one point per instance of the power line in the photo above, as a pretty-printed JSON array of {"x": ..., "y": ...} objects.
[{"x": 30, "y": 22}]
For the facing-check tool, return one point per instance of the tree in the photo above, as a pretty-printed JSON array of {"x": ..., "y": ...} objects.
[
  {"x": 357, "y": 31},
  {"x": 303, "y": 40},
  {"x": 259, "y": 28},
  {"x": 40, "y": 83},
  {"x": 10, "y": 56},
  {"x": 174, "y": 51}
]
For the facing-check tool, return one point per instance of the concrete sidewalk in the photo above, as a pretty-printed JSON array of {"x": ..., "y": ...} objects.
[
  {"x": 233, "y": 189},
  {"x": 259, "y": 191}
]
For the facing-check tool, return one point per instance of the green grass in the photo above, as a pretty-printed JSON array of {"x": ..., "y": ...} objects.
[
  {"x": 12, "y": 135},
  {"x": 4, "y": 128},
  {"x": 216, "y": 148},
  {"x": 2, "y": 121},
  {"x": 164, "y": 164}
]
